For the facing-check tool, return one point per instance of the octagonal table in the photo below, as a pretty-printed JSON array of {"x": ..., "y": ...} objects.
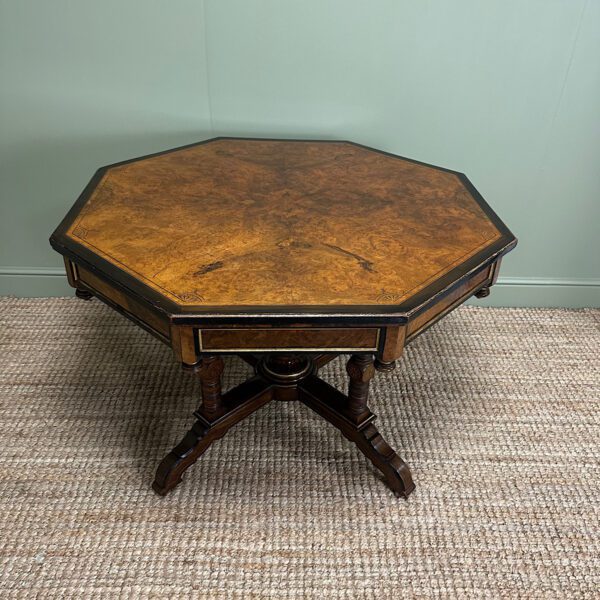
[{"x": 286, "y": 253}]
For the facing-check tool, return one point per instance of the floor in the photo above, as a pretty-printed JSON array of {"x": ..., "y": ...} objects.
[{"x": 496, "y": 410}]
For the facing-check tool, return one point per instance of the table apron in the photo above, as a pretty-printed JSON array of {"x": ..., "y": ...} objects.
[{"x": 316, "y": 339}]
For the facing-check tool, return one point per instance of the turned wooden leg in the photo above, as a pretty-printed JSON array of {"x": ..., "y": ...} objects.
[
  {"x": 484, "y": 292},
  {"x": 351, "y": 415},
  {"x": 216, "y": 415},
  {"x": 210, "y": 373},
  {"x": 361, "y": 370}
]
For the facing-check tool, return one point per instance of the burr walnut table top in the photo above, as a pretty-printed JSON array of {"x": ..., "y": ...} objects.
[
  {"x": 285, "y": 253},
  {"x": 238, "y": 225}
]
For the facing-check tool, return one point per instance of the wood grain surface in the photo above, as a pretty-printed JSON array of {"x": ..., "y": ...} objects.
[
  {"x": 274, "y": 339},
  {"x": 269, "y": 222}
]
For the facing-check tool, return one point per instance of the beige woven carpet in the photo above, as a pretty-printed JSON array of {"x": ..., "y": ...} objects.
[{"x": 496, "y": 410}]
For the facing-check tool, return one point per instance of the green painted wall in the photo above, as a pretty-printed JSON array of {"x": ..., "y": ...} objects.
[
  {"x": 505, "y": 90},
  {"x": 85, "y": 83}
]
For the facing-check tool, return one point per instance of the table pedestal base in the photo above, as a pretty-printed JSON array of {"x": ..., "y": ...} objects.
[{"x": 285, "y": 377}]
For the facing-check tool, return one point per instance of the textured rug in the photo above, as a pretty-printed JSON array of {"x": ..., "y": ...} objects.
[{"x": 496, "y": 410}]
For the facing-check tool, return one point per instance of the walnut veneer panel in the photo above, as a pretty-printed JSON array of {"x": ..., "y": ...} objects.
[
  {"x": 448, "y": 301},
  {"x": 288, "y": 339},
  {"x": 149, "y": 317},
  {"x": 258, "y": 222}
]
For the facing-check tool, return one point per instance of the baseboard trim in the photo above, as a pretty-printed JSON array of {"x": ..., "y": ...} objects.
[
  {"x": 34, "y": 282},
  {"x": 31, "y": 282},
  {"x": 32, "y": 271},
  {"x": 546, "y": 281}
]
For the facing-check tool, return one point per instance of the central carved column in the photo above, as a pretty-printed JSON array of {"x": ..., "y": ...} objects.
[
  {"x": 285, "y": 368},
  {"x": 285, "y": 371}
]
